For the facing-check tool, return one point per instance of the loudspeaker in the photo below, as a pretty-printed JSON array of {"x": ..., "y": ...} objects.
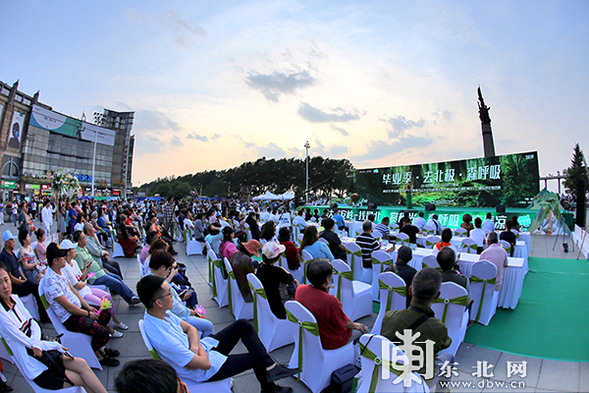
[
  {"x": 372, "y": 206},
  {"x": 501, "y": 209},
  {"x": 430, "y": 206}
]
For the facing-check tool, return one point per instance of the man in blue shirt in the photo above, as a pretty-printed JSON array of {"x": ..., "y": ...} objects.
[
  {"x": 339, "y": 220},
  {"x": 177, "y": 343}
]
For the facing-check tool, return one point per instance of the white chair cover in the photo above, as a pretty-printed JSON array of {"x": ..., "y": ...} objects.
[
  {"x": 297, "y": 273},
  {"x": 428, "y": 230},
  {"x": 380, "y": 261},
  {"x": 193, "y": 247},
  {"x": 506, "y": 246},
  {"x": 223, "y": 385},
  {"x": 273, "y": 332},
  {"x": 219, "y": 285},
  {"x": 354, "y": 256},
  {"x": 305, "y": 258},
  {"x": 482, "y": 291},
  {"x": 316, "y": 363},
  {"x": 394, "y": 227},
  {"x": 403, "y": 239},
  {"x": 117, "y": 249},
  {"x": 430, "y": 261},
  {"x": 450, "y": 308},
  {"x": 379, "y": 375},
  {"x": 31, "y": 304},
  {"x": 248, "y": 232},
  {"x": 142, "y": 269},
  {"x": 237, "y": 305},
  {"x": 355, "y": 296},
  {"x": 431, "y": 241},
  {"x": 322, "y": 240},
  {"x": 393, "y": 296},
  {"x": 460, "y": 232},
  {"x": 469, "y": 245},
  {"x": 78, "y": 344}
]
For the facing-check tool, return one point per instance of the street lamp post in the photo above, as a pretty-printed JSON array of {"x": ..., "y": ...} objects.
[
  {"x": 97, "y": 120},
  {"x": 307, "y": 146}
]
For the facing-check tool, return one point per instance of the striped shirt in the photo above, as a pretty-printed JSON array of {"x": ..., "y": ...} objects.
[{"x": 367, "y": 244}]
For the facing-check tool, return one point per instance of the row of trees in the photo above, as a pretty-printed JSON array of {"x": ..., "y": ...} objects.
[{"x": 278, "y": 176}]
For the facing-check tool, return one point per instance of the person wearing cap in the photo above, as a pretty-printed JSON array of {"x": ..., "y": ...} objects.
[
  {"x": 91, "y": 294},
  {"x": 403, "y": 270},
  {"x": 242, "y": 265},
  {"x": 73, "y": 311},
  {"x": 102, "y": 277},
  {"x": 273, "y": 277},
  {"x": 21, "y": 286}
]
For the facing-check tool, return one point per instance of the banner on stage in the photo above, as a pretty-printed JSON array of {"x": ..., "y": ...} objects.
[{"x": 512, "y": 180}]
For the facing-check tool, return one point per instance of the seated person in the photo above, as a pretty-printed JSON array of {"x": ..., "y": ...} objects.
[
  {"x": 149, "y": 376},
  {"x": 291, "y": 252},
  {"x": 467, "y": 223},
  {"x": 152, "y": 225},
  {"x": 254, "y": 227},
  {"x": 335, "y": 244},
  {"x": 409, "y": 230},
  {"x": 402, "y": 268},
  {"x": 102, "y": 277},
  {"x": 40, "y": 247},
  {"x": 215, "y": 237},
  {"x": 73, "y": 311},
  {"x": 488, "y": 224},
  {"x": 434, "y": 223},
  {"x": 33, "y": 268},
  {"x": 149, "y": 239},
  {"x": 496, "y": 255},
  {"x": 312, "y": 246},
  {"x": 478, "y": 235},
  {"x": 209, "y": 359},
  {"x": 335, "y": 328},
  {"x": 162, "y": 264},
  {"x": 267, "y": 232},
  {"x": 100, "y": 255},
  {"x": 199, "y": 228},
  {"x": 419, "y": 222},
  {"x": 273, "y": 277},
  {"x": 420, "y": 318},
  {"x": 446, "y": 239},
  {"x": 509, "y": 236},
  {"x": 23, "y": 335},
  {"x": 368, "y": 244},
  {"x": 242, "y": 264},
  {"x": 339, "y": 220},
  {"x": 447, "y": 260},
  {"x": 125, "y": 238},
  {"x": 299, "y": 221},
  {"x": 227, "y": 248},
  {"x": 383, "y": 229}
]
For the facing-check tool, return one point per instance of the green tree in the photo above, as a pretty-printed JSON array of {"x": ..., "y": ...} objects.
[{"x": 576, "y": 175}]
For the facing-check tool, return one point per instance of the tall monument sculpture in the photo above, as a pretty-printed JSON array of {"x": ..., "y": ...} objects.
[{"x": 488, "y": 144}]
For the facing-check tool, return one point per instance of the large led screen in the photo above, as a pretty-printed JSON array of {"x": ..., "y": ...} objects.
[{"x": 511, "y": 180}]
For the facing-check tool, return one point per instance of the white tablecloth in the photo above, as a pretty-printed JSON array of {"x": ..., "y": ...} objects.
[{"x": 513, "y": 276}]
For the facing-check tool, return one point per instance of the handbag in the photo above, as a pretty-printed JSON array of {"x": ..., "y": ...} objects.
[
  {"x": 53, "y": 359},
  {"x": 342, "y": 379}
]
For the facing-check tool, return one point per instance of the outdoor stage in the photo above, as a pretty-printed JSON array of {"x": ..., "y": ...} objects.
[{"x": 447, "y": 216}]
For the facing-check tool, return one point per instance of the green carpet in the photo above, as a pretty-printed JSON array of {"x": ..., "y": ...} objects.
[{"x": 551, "y": 320}]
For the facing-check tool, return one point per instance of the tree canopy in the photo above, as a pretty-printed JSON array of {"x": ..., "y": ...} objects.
[{"x": 576, "y": 174}]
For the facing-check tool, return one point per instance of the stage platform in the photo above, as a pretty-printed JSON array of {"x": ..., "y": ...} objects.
[{"x": 447, "y": 216}]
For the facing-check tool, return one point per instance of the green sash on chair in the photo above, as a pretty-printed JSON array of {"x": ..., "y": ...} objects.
[
  {"x": 437, "y": 267},
  {"x": 475, "y": 279},
  {"x": 339, "y": 274},
  {"x": 378, "y": 364},
  {"x": 231, "y": 276},
  {"x": 304, "y": 267},
  {"x": 472, "y": 247},
  {"x": 311, "y": 327},
  {"x": 429, "y": 244},
  {"x": 6, "y": 346},
  {"x": 461, "y": 300},
  {"x": 216, "y": 262},
  {"x": 262, "y": 293},
  {"x": 387, "y": 262},
  {"x": 400, "y": 290},
  {"x": 356, "y": 253},
  {"x": 45, "y": 302}
]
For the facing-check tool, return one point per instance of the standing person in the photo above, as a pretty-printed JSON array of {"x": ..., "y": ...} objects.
[
  {"x": 27, "y": 347},
  {"x": 169, "y": 218},
  {"x": 23, "y": 221},
  {"x": 47, "y": 216},
  {"x": 1, "y": 212},
  {"x": 73, "y": 311},
  {"x": 73, "y": 216}
]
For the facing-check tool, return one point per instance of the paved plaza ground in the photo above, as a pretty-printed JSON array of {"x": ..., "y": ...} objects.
[{"x": 542, "y": 375}]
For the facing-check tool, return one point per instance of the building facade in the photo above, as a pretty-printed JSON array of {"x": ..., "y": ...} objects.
[{"x": 35, "y": 141}]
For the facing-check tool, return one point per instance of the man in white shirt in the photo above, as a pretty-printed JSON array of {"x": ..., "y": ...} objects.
[
  {"x": 419, "y": 222},
  {"x": 177, "y": 343},
  {"x": 47, "y": 217},
  {"x": 488, "y": 224},
  {"x": 434, "y": 223},
  {"x": 478, "y": 235}
]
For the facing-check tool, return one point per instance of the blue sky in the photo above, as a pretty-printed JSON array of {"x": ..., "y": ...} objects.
[{"x": 214, "y": 84}]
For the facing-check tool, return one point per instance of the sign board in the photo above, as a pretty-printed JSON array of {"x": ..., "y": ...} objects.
[{"x": 8, "y": 184}]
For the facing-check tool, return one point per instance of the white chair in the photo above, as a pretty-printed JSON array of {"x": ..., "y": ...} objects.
[
  {"x": 142, "y": 269},
  {"x": 403, "y": 238},
  {"x": 297, "y": 273},
  {"x": 355, "y": 296},
  {"x": 31, "y": 305},
  {"x": 482, "y": 290},
  {"x": 429, "y": 230},
  {"x": 393, "y": 296},
  {"x": 354, "y": 256},
  {"x": 305, "y": 258},
  {"x": 460, "y": 232},
  {"x": 6, "y": 351},
  {"x": 316, "y": 363},
  {"x": 469, "y": 245},
  {"x": 450, "y": 308},
  {"x": 117, "y": 249},
  {"x": 273, "y": 332},
  {"x": 431, "y": 241},
  {"x": 322, "y": 240},
  {"x": 506, "y": 246},
  {"x": 223, "y": 385},
  {"x": 79, "y": 344},
  {"x": 394, "y": 227},
  {"x": 248, "y": 232},
  {"x": 193, "y": 247},
  {"x": 237, "y": 305},
  {"x": 219, "y": 285},
  {"x": 375, "y": 377},
  {"x": 380, "y": 261},
  {"x": 430, "y": 261}
]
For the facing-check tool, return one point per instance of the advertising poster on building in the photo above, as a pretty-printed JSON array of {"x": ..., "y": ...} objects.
[
  {"x": 18, "y": 122},
  {"x": 511, "y": 180},
  {"x": 56, "y": 122}
]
